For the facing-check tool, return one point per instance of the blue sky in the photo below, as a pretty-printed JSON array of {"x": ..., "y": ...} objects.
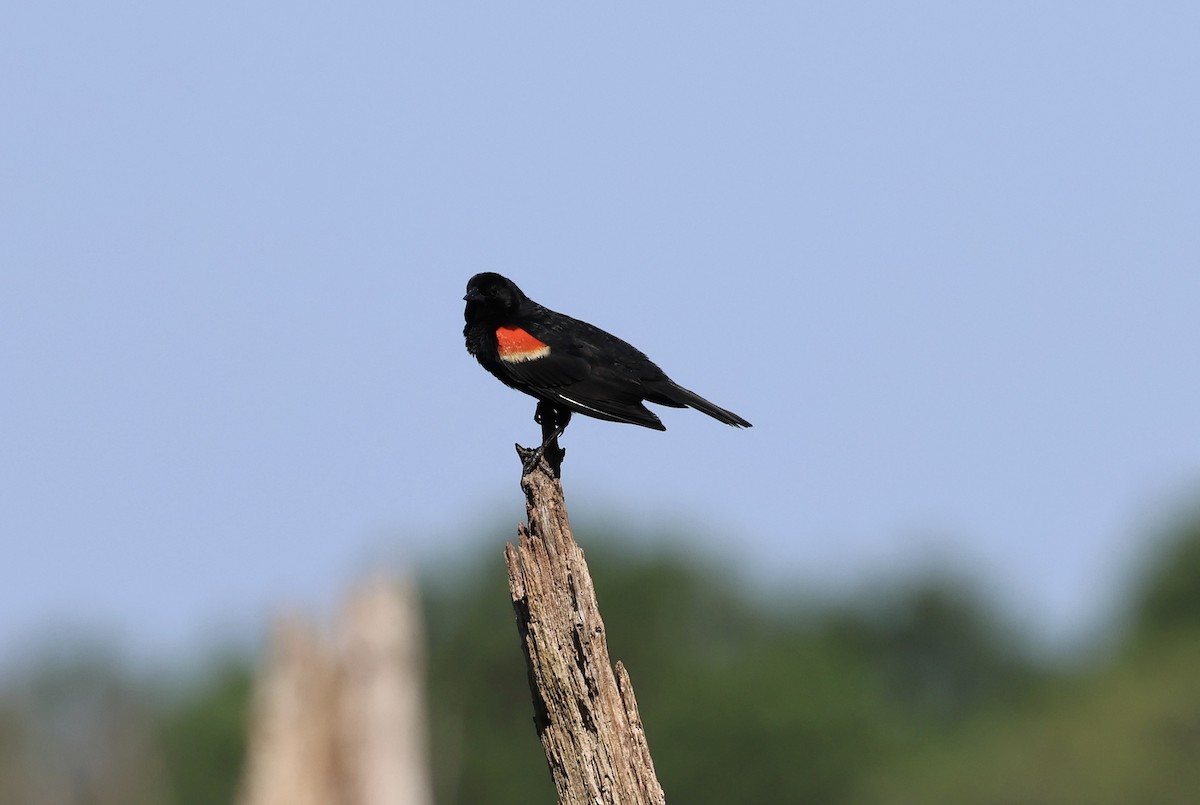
[{"x": 944, "y": 256}]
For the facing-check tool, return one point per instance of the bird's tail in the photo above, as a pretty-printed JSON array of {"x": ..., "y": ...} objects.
[{"x": 677, "y": 396}]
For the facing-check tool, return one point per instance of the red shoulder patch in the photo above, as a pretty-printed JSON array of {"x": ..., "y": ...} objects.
[{"x": 515, "y": 344}]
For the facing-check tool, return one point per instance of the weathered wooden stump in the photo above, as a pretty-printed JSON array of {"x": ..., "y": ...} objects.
[{"x": 585, "y": 713}]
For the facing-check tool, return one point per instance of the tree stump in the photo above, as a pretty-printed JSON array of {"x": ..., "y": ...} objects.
[
  {"x": 585, "y": 713},
  {"x": 342, "y": 721}
]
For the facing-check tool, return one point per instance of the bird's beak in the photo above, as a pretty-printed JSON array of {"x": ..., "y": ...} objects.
[{"x": 473, "y": 296}]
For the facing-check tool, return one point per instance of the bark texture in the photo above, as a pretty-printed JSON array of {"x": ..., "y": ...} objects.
[{"x": 585, "y": 713}]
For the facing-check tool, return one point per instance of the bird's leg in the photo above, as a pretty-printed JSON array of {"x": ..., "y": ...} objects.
[{"x": 554, "y": 422}]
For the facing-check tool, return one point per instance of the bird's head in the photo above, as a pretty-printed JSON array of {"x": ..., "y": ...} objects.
[{"x": 491, "y": 297}]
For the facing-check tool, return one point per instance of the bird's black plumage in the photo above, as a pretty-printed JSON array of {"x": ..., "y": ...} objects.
[{"x": 568, "y": 364}]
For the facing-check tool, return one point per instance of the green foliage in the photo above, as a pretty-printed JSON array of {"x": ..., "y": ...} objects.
[
  {"x": 1127, "y": 734},
  {"x": 1168, "y": 599},
  {"x": 742, "y": 702},
  {"x": 76, "y": 729},
  {"x": 943, "y": 654},
  {"x": 918, "y": 694},
  {"x": 1125, "y": 731},
  {"x": 484, "y": 745},
  {"x": 202, "y": 730}
]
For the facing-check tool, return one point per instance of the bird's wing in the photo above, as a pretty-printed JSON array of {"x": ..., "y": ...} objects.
[
  {"x": 548, "y": 372},
  {"x": 572, "y": 381}
]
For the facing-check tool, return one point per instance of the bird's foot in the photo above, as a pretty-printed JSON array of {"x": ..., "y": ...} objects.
[
  {"x": 549, "y": 450},
  {"x": 554, "y": 422}
]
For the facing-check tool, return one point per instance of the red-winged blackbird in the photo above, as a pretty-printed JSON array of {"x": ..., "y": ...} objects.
[{"x": 567, "y": 364}]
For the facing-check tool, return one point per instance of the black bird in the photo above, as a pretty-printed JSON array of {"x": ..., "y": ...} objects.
[{"x": 568, "y": 364}]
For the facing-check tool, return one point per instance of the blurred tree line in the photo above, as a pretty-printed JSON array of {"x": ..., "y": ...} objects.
[{"x": 919, "y": 694}]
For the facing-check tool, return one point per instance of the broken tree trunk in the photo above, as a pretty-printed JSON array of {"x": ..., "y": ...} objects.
[
  {"x": 585, "y": 714},
  {"x": 341, "y": 721}
]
